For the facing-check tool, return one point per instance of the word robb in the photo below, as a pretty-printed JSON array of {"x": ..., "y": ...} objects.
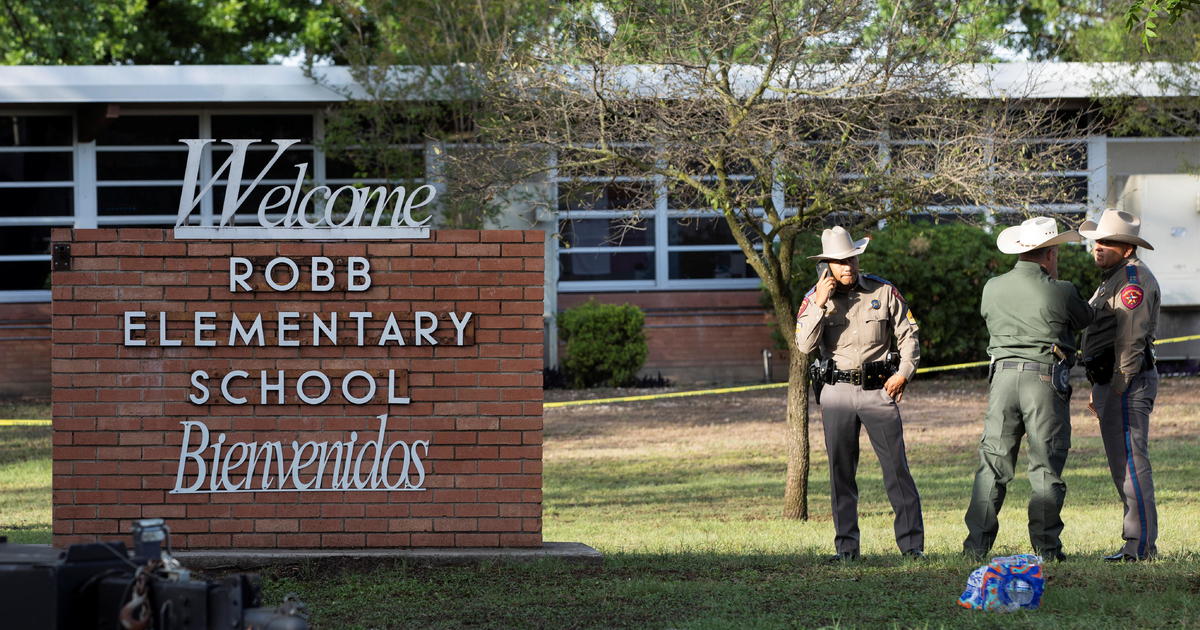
[
  {"x": 338, "y": 465},
  {"x": 292, "y": 206}
]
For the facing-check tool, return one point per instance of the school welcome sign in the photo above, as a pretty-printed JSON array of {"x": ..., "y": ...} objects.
[{"x": 330, "y": 375}]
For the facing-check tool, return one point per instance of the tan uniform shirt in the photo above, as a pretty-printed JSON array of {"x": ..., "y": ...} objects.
[
  {"x": 1126, "y": 304},
  {"x": 856, "y": 326}
]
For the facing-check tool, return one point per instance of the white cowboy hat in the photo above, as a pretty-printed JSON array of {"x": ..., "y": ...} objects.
[
  {"x": 1032, "y": 234},
  {"x": 1115, "y": 225},
  {"x": 836, "y": 244}
]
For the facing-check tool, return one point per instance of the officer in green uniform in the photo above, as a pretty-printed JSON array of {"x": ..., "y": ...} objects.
[
  {"x": 1117, "y": 351},
  {"x": 1031, "y": 319}
]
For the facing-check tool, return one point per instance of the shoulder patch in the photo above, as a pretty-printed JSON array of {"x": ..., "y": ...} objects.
[
  {"x": 1131, "y": 274},
  {"x": 912, "y": 320},
  {"x": 1131, "y": 296},
  {"x": 803, "y": 305}
]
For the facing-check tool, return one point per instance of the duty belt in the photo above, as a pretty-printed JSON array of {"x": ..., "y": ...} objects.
[
  {"x": 854, "y": 377},
  {"x": 1027, "y": 366}
]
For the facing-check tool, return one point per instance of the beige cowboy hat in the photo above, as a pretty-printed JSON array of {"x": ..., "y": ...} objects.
[
  {"x": 1115, "y": 225},
  {"x": 1032, "y": 234},
  {"x": 836, "y": 244}
]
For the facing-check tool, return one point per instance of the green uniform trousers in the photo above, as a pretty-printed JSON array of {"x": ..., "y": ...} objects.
[{"x": 1021, "y": 401}]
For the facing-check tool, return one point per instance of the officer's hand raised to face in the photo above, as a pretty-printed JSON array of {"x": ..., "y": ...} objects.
[
  {"x": 895, "y": 387},
  {"x": 824, "y": 289}
]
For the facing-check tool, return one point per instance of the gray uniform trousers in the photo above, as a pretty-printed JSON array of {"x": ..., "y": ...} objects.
[
  {"x": 1125, "y": 429},
  {"x": 1021, "y": 401},
  {"x": 844, "y": 408}
]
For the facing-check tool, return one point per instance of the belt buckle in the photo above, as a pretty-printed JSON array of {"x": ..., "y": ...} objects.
[{"x": 856, "y": 377}]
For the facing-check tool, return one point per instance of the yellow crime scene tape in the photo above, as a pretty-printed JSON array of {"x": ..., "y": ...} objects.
[
  {"x": 730, "y": 390},
  {"x": 700, "y": 392}
]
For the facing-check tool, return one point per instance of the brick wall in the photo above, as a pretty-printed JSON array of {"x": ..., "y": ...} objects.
[
  {"x": 24, "y": 350},
  {"x": 700, "y": 336},
  {"x": 118, "y": 409}
]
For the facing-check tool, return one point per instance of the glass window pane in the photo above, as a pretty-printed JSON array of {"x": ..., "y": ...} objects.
[
  {"x": 148, "y": 130},
  {"x": 606, "y": 266},
  {"x": 36, "y": 131},
  {"x": 35, "y": 167},
  {"x": 697, "y": 231},
  {"x": 139, "y": 200},
  {"x": 36, "y": 202},
  {"x": 264, "y": 126},
  {"x": 25, "y": 275},
  {"x": 140, "y": 165},
  {"x": 284, "y": 168},
  {"x": 605, "y": 196},
  {"x": 24, "y": 239},
  {"x": 700, "y": 265},
  {"x": 606, "y": 232}
]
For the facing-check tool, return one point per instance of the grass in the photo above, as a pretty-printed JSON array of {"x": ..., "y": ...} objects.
[{"x": 683, "y": 497}]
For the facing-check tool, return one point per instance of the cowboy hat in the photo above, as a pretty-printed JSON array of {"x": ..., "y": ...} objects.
[
  {"x": 1115, "y": 225},
  {"x": 1032, "y": 234},
  {"x": 836, "y": 244}
]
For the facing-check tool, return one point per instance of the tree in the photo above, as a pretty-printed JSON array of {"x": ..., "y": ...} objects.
[
  {"x": 49, "y": 32},
  {"x": 1143, "y": 13},
  {"x": 852, "y": 112}
]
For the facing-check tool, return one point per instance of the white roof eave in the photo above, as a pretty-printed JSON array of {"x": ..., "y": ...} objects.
[{"x": 24, "y": 85}]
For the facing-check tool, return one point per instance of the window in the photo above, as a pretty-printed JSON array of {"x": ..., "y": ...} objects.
[
  {"x": 37, "y": 192},
  {"x": 625, "y": 230}
]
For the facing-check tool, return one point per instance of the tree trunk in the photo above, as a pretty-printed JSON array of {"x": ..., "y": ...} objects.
[{"x": 795, "y": 494}]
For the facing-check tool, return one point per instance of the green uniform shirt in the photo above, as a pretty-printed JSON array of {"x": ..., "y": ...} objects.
[{"x": 1027, "y": 311}]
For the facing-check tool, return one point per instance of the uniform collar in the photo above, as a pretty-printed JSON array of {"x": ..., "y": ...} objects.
[{"x": 1028, "y": 266}]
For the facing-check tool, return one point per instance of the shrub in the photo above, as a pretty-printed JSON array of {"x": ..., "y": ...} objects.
[
  {"x": 940, "y": 270},
  {"x": 605, "y": 343}
]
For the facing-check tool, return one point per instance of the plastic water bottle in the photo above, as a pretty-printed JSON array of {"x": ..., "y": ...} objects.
[{"x": 1020, "y": 592}]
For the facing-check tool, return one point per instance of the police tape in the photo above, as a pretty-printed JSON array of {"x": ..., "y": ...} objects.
[
  {"x": 700, "y": 392},
  {"x": 730, "y": 390}
]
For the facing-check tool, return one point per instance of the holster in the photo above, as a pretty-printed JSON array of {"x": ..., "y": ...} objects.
[
  {"x": 1060, "y": 373},
  {"x": 818, "y": 374},
  {"x": 1099, "y": 368},
  {"x": 876, "y": 373}
]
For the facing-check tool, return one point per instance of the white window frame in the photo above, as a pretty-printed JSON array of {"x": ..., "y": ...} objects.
[{"x": 41, "y": 295}]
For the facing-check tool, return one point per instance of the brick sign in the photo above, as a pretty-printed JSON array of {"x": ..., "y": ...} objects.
[{"x": 298, "y": 394}]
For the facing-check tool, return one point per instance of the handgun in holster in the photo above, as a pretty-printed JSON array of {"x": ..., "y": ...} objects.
[
  {"x": 1060, "y": 373},
  {"x": 1099, "y": 368},
  {"x": 818, "y": 374},
  {"x": 876, "y": 373}
]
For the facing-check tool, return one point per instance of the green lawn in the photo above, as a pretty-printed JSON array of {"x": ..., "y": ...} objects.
[{"x": 687, "y": 516}]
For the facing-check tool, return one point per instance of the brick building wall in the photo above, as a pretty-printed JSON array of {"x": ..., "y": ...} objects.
[
  {"x": 700, "y": 336},
  {"x": 25, "y": 350},
  {"x": 118, "y": 408}
]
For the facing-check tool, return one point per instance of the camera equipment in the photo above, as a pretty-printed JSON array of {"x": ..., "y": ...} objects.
[{"x": 107, "y": 586}]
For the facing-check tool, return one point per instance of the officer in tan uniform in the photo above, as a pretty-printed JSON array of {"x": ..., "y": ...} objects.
[
  {"x": 1118, "y": 355},
  {"x": 852, "y": 318}
]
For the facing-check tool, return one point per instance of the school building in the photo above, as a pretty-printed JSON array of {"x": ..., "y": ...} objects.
[{"x": 98, "y": 146}]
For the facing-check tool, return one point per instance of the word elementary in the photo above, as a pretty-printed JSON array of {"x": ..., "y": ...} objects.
[{"x": 246, "y": 330}]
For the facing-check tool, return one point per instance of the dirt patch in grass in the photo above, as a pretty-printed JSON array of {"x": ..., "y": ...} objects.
[{"x": 935, "y": 411}]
